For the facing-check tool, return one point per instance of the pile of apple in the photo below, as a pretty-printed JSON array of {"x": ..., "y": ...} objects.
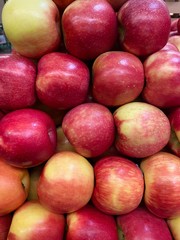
[{"x": 90, "y": 121}]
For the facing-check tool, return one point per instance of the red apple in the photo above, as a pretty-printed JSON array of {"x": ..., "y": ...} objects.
[
  {"x": 162, "y": 86},
  {"x": 5, "y": 222},
  {"x": 174, "y": 141},
  {"x": 141, "y": 224},
  {"x": 175, "y": 39},
  {"x": 32, "y": 26},
  {"x": 27, "y": 137},
  {"x": 14, "y": 187},
  {"x": 174, "y": 24},
  {"x": 162, "y": 184},
  {"x": 89, "y": 28},
  {"x": 90, "y": 129},
  {"x": 174, "y": 224},
  {"x": 139, "y": 129},
  {"x": 62, "y": 80},
  {"x": 169, "y": 46},
  {"x": 144, "y": 26},
  {"x": 17, "y": 82},
  {"x": 178, "y": 25},
  {"x": 69, "y": 179},
  {"x": 90, "y": 223},
  {"x": 119, "y": 185},
  {"x": 1, "y": 114},
  {"x": 33, "y": 221},
  {"x": 118, "y": 78}
]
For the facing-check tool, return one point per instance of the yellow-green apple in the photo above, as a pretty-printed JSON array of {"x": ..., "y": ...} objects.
[
  {"x": 90, "y": 223},
  {"x": 162, "y": 86},
  {"x": 17, "y": 82},
  {"x": 175, "y": 39},
  {"x": 89, "y": 28},
  {"x": 62, "y": 80},
  {"x": 174, "y": 224},
  {"x": 162, "y": 184},
  {"x": 14, "y": 187},
  {"x": 5, "y": 222},
  {"x": 116, "y": 4},
  {"x": 139, "y": 128},
  {"x": 90, "y": 129},
  {"x": 33, "y": 221},
  {"x": 34, "y": 174},
  {"x": 32, "y": 26},
  {"x": 118, "y": 78},
  {"x": 27, "y": 137},
  {"x": 62, "y": 142},
  {"x": 141, "y": 224},
  {"x": 69, "y": 178},
  {"x": 174, "y": 140},
  {"x": 119, "y": 185},
  {"x": 139, "y": 30}
]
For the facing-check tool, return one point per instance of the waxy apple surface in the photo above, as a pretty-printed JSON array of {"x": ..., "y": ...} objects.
[
  {"x": 140, "y": 30},
  {"x": 119, "y": 185},
  {"x": 118, "y": 78},
  {"x": 139, "y": 129},
  {"x": 69, "y": 178},
  {"x": 141, "y": 224},
  {"x": 62, "y": 80},
  {"x": 90, "y": 129},
  {"x": 33, "y": 221},
  {"x": 162, "y": 184},
  {"x": 27, "y": 137},
  {"x": 89, "y": 28},
  {"x": 17, "y": 82},
  {"x": 32, "y": 26}
]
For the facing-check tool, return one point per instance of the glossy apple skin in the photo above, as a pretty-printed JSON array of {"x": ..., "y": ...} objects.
[
  {"x": 63, "y": 85},
  {"x": 27, "y": 137},
  {"x": 17, "y": 82},
  {"x": 118, "y": 181},
  {"x": 90, "y": 129},
  {"x": 90, "y": 223},
  {"x": 5, "y": 222},
  {"x": 161, "y": 88},
  {"x": 62, "y": 175},
  {"x": 89, "y": 28},
  {"x": 174, "y": 224},
  {"x": 14, "y": 187},
  {"x": 32, "y": 27},
  {"x": 175, "y": 39},
  {"x": 174, "y": 140},
  {"x": 118, "y": 78},
  {"x": 140, "y": 31},
  {"x": 162, "y": 184},
  {"x": 33, "y": 221},
  {"x": 141, "y": 224},
  {"x": 139, "y": 129}
]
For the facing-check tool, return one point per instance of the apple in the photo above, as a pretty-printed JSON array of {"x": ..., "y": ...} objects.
[
  {"x": 14, "y": 187},
  {"x": 162, "y": 86},
  {"x": 62, "y": 80},
  {"x": 144, "y": 26},
  {"x": 27, "y": 137},
  {"x": 69, "y": 178},
  {"x": 90, "y": 129},
  {"x": 17, "y": 82},
  {"x": 174, "y": 140},
  {"x": 5, "y": 222},
  {"x": 118, "y": 78},
  {"x": 141, "y": 224},
  {"x": 62, "y": 142},
  {"x": 174, "y": 224},
  {"x": 119, "y": 185},
  {"x": 174, "y": 24},
  {"x": 1, "y": 114},
  {"x": 162, "y": 184},
  {"x": 139, "y": 128},
  {"x": 90, "y": 223},
  {"x": 33, "y": 221},
  {"x": 89, "y": 28},
  {"x": 175, "y": 39},
  {"x": 169, "y": 46},
  {"x": 32, "y": 26}
]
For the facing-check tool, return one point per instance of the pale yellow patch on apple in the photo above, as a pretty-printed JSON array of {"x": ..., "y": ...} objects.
[{"x": 174, "y": 225}]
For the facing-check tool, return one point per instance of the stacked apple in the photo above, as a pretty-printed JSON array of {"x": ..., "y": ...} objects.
[{"x": 90, "y": 121}]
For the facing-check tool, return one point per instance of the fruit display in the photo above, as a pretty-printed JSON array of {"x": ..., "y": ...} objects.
[{"x": 90, "y": 121}]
